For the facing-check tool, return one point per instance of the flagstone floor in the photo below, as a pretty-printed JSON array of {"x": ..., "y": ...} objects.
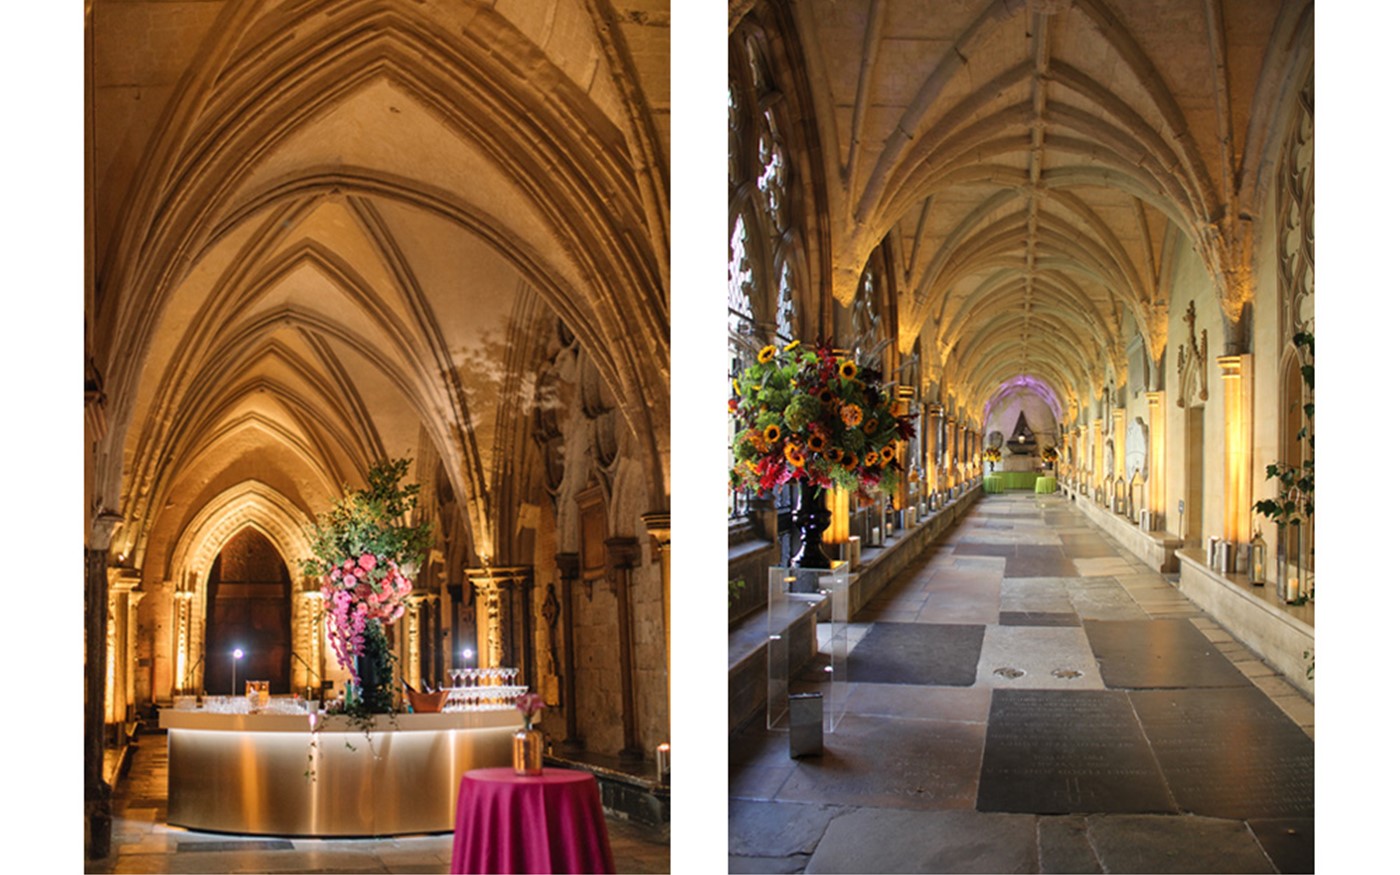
[
  {"x": 143, "y": 842},
  {"x": 1028, "y": 697}
]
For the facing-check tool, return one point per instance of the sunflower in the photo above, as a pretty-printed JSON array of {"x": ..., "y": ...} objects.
[
  {"x": 887, "y": 453},
  {"x": 794, "y": 455},
  {"x": 834, "y": 454},
  {"x": 851, "y": 414},
  {"x": 850, "y": 461},
  {"x": 816, "y": 443},
  {"x": 848, "y": 370},
  {"x": 737, "y": 390},
  {"x": 766, "y": 354},
  {"x": 871, "y": 425},
  {"x": 826, "y": 396},
  {"x": 872, "y": 459},
  {"x": 791, "y": 346},
  {"x": 772, "y": 433}
]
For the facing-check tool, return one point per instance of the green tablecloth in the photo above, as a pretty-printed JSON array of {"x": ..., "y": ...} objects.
[
  {"x": 993, "y": 483},
  {"x": 1045, "y": 485},
  {"x": 1017, "y": 479}
]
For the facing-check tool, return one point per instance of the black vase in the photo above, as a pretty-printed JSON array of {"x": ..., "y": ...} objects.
[
  {"x": 811, "y": 519},
  {"x": 375, "y": 671}
]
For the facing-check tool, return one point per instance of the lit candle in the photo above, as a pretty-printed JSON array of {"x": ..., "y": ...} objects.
[
  {"x": 1292, "y": 589},
  {"x": 663, "y": 763}
]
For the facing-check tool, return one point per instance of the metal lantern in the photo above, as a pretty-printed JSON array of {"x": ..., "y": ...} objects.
[{"x": 1258, "y": 552}]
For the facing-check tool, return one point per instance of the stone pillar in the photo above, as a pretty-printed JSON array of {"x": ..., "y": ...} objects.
[
  {"x": 623, "y": 554},
  {"x": 1157, "y": 455},
  {"x": 501, "y": 629},
  {"x": 122, "y": 597},
  {"x": 309, "y": 666},
  {"x": 568, "y": 564},
  {"x": 490, "y": 622},
  {"x": 1120, "y": 441},
  {"x": 658, "y": 525},
  {"x": 1237, "y": 379},
  {"x": 1096, "y": 472},
  {"x": 97, "y": 794}
]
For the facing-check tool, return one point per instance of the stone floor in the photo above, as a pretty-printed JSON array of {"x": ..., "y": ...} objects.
[
  {"x": 1028, "y": 697},
  {"x": 143, "y": 842}
]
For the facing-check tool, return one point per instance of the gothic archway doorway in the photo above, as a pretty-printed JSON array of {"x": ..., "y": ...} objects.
[{"x": 248, "y": 607}]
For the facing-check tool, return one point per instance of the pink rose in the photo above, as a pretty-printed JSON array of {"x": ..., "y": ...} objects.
[
  {"x": 359, "y": 572},
  {"x": 335, "y": 575},
  {"x": 349, "y": 564},
  {"x": 367, "y": 562}
]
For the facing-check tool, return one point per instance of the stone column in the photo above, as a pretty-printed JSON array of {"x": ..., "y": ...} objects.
[
  {"x": 97, "y": 794},
  {"x": 658, "y": 525},
  {"x": 310, "y": 664},
  {"x": 623, "y": 554},
  {"x": 490, "y": 622},
  {"x": 1096, "y": 472},
  {"x": 1237, "y": 380},
  {"x": 568, "y": 564},
  {"x": 121, "y": 600},
  {"x": 1157, "y": 455}
]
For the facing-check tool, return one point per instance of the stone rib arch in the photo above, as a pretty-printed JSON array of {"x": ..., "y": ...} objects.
[{"x": 624, "y": 276}]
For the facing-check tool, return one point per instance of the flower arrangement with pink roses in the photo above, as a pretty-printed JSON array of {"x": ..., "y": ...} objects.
[{"x": 361, "y": 546}]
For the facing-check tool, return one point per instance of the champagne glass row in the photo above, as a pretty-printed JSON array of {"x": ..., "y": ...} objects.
[
  {"x": 482, "y": 698},
  {"x": 482, "y": 677}
]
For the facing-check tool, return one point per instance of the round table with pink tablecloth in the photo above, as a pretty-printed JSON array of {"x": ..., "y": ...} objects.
[{"x": 512, "y": 823}]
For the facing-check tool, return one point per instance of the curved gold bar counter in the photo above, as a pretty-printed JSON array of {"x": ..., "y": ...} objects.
[{"x": 269, "y": 774}]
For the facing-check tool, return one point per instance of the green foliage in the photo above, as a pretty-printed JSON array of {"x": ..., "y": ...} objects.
[
  {"x": 735, "y": 588},
  {"x": 1294, "y": 503},
  {"x": 372, "y": 520}
]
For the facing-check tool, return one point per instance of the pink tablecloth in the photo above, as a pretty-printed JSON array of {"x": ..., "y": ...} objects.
[{"x": 510, "y": 823}]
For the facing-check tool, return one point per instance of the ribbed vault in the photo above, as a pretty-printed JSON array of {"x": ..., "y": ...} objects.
[
  {"x": 1038, "y": 164},
  {"x": 317, "y": 227}
]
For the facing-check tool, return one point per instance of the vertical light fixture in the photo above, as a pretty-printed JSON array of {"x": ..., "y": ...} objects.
[{"x": 237, "y": 655}]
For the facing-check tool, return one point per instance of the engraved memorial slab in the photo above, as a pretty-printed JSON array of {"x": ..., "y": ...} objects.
[
  {"x": 1051, "y": 752},
  {"x": 1228, "y": 752}
]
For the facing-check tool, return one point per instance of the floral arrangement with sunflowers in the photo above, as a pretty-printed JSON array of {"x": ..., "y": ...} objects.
[
  {"x": 809, "y": 414},
  {"x": 1049, "y": 454},
  {"x": 992, "y": 455}
]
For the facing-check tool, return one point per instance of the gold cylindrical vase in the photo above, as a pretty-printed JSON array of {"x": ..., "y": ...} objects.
[{"x": 527, "y": 752}]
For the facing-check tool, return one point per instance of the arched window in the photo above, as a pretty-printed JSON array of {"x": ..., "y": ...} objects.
[{"x": 764, "y": 276}]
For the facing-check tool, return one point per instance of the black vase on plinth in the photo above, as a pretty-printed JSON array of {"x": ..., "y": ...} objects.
[
  {"x": 811, "y": 519},
  {"x": 375, "y": 671}
]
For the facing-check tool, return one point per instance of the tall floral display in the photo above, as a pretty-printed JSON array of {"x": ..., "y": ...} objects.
[
  {"x": 366, "y": 551},
  {"x": 811, "y": 415}
]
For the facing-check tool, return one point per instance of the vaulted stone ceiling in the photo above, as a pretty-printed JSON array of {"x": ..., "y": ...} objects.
[
  {"x": 1037, "y": 166},
  {"x": 324, "y": 231}
]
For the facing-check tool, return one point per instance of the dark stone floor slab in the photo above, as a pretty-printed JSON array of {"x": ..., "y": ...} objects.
[
  {"x": 990, "y": 524},
  {"x": 1037, "y": 618},
  {"x": 1174, "y": 844},
  {"x": 1039, "y": 551},
  {"x": 1158, "y": 654},
  {"x": 885, "y": 762},
  {"x": 777, "y": 829},
  {"x": 975, "y": 548},
  {"x": 1288, "y": 842},
  {"x": 1036, "y": 566},
  {"x": 1052, "y": 752},
  {"x": 917, "y": 653},
  {"x": 877, "y": 840},
  {"x": 1228, "y": 752}
]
